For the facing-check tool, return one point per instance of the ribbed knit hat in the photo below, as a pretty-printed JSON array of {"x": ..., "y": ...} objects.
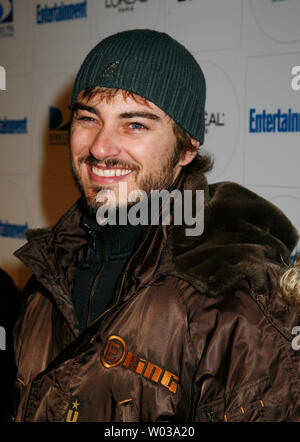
[{"x": 154, "y": 66}]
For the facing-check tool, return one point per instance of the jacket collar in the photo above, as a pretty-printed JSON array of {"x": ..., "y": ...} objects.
[
  {"x": 51, "y": 254},
  {"x": 242, "y": 232}
]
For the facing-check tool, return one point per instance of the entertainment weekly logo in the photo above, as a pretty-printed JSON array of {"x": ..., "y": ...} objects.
[{"x": 138, "y": 208}]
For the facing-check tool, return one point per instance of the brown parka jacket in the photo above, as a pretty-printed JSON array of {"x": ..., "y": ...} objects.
[{"x": 195, "y": 331}]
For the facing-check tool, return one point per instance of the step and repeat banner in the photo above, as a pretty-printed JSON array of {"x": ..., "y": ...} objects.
[{"x": 249, "y": 51}]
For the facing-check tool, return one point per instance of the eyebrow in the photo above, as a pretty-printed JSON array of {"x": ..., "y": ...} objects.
[
  {"x": 148, "y": 115},
  {"x": 124, "y": 115},
  {"x": 81, "y": 106}
]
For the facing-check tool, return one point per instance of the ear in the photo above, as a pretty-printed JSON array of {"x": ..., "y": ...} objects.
[{"x": 190, "y": 154}]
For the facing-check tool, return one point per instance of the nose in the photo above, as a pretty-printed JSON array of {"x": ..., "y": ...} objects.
[{"x": 105, "y": 144}]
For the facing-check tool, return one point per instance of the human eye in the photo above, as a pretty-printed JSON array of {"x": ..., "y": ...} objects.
[
  {"x": 85, "y": 118},
  {"x": 137, "y": 126},
  {"x": 83, "y": 115}
]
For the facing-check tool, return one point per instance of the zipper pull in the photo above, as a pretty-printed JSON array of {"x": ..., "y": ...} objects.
[
  {"x": 90, "y": 249},
  {"x": 121, "y": 286}
]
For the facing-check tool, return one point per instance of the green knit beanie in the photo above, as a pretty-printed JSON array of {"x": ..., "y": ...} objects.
[{"x": 154, "y": 66}]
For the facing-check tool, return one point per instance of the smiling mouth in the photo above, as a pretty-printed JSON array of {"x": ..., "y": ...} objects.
[{"x": 101, "y": 172}]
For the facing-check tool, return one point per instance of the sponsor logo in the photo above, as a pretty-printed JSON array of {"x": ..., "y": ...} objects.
[
  {"x": 45, "y": 14},
  {"x": 6, "y": 18},
  {"x": 123, "y": 5},
  {"x": 6, "y": 11},
  {"x": 115, "y": 353},
  {"x": 296, "y": 79},
  {"x": 274, "y": 122},
  {"x": 13, "y": 230},
  {"x": 73, "y": 411},
  {"x": 214, "y": 119},
  {"x": 13, "y": 126},
  {"x": 58, "y": 129},
  {"x": 2, "y": 79}
]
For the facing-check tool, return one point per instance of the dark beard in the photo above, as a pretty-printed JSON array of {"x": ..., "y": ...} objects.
[
  {"x": 86, "y": 206},
  {"x": 158, "y": 181}
]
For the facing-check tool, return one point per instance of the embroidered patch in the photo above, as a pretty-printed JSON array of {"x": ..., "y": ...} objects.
[
  {"x": 110, "y": 70},
  {"x": 73, "y": 411},
  {"x": 114, "y": 353}
]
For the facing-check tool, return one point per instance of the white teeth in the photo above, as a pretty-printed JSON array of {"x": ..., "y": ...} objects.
[{"x": 110, "y": 172}]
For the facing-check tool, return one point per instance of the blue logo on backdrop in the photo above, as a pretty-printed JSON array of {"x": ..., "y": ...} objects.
[
  {"x": 278, "y": 121},
  {"x": 9, "y": 127},
  {"x": 58, "y": 130},
  {"x": 6, "y": 18},
  {"x": 6, "y": 11},
  {"x": 9, "y": 230},
  {"x": 45, "y": 14}
]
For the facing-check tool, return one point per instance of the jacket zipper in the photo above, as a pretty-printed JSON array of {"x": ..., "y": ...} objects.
[
  {"x": 117, "y": 299},
  {"x": 92, "y": 293},
  {"x": 92, "y": 246}
]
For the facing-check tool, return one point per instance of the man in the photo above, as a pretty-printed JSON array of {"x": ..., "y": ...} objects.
[{"x": 143, "y": 322}]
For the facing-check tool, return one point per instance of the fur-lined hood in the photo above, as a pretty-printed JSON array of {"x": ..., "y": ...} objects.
[{"x": 242, "y": 233}]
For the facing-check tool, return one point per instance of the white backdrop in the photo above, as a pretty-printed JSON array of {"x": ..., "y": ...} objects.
[{"x": 247, "y": 49}]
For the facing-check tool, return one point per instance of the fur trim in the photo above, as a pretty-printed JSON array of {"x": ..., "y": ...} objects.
[{"x": 242, "y": 233}]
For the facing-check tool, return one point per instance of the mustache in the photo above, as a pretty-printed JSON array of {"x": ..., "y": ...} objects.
[{"x": 108, "y": 162}]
